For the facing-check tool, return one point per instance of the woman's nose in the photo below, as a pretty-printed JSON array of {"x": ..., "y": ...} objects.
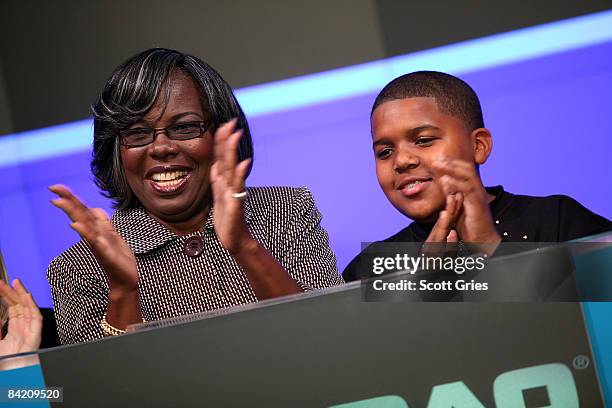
[{"x": 163, "y": 146}]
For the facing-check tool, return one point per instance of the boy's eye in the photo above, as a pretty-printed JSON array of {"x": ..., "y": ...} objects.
[
  {"x": 424, "y": 141},
  {"x": 384, "y": 153}
]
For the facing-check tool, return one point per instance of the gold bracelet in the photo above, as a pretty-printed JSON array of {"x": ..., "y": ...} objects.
[{"x": 108, "y": 329}]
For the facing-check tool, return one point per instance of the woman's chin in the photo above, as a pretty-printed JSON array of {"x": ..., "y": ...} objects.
[{"x": 176, "y": 208}]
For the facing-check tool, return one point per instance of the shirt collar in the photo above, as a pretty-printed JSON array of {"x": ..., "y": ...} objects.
[
  {"x": 499, "y": 200},
  {"x": 143, "y": 233}
]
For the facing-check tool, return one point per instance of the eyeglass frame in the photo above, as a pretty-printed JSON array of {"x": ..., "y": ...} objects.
[{"x": 203, "y": 124}]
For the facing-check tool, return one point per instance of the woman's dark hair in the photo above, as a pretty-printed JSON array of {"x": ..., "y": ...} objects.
[{"x": 130, "y": 93}]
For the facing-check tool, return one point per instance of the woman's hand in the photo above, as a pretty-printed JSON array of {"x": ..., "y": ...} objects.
[
  {"x": 112, "y": 252},
  {"x": 25, "y": 320},
  {"x": 227, "y": 178},
  {"x": 94, "y": 226}
]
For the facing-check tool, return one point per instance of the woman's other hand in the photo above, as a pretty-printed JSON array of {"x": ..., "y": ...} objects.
[
  {"x": 266, "y": 276},
  {"x": 25, "y": 320},
  {"x": 227, "y": 179}
]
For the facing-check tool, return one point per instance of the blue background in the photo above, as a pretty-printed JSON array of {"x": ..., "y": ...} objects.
[{"x": 550, "y": 119}]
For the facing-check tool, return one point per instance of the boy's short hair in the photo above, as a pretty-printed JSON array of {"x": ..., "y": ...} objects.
[{"x": 453, "y": 96}]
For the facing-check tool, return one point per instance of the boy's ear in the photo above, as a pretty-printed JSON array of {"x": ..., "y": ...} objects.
[{"x": 483, "y": 143}]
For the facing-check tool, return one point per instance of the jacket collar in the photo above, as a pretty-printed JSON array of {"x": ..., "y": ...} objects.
[{"x": 143, "y": 233}]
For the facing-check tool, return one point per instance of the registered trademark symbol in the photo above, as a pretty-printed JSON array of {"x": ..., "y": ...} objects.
[{"x": 580, "y": 362}]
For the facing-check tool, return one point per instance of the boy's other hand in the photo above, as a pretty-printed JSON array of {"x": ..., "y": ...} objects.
[
  {"x": 442, "y": 232},
  {"x": 474, "y": 223}
]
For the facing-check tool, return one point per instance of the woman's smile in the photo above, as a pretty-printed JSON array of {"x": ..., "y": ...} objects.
[{"x": 168, "y": 180}]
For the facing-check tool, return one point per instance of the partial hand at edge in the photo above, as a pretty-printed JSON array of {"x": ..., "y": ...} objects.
[{"x": 25, "y": 320}]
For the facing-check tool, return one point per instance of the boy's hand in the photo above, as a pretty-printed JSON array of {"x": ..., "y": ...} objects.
[
  {"x": 442, "y": 232},
  {"x": 474, "y": 224}
]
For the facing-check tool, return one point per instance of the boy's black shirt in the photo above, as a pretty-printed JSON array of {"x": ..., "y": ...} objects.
[{"x": 517, "y": 218}]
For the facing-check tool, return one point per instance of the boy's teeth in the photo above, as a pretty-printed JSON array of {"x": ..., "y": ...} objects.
[
  {"x": 414, "y": 183},
  {"x": 169, "y": 175}
]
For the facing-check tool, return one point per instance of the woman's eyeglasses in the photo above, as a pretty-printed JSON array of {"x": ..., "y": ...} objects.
[{"x": 137, "y": 137}]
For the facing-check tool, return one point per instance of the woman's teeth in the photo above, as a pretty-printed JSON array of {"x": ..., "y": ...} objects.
[
  {"x": 169, "y": 183},
  {"x": 169, "y": 178}
]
